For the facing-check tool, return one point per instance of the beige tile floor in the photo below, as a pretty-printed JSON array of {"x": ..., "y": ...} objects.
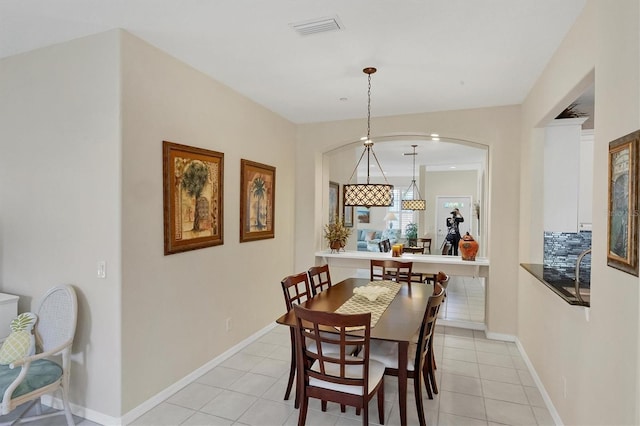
[
  {"x": 465, "y": 300},
  {"x": 482, "y": 382}
]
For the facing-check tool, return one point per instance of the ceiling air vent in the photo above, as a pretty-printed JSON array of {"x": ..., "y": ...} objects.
[{"x": 315, "y": 26}]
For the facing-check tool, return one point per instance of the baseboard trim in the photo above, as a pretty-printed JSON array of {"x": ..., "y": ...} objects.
[
  {"x": 545, "y": 396},
  {"x": 167, "y": 392},
  {"x": 470, "y": 325},
  {"x": 500, "y": 336},
  {"x": 129, "y": 417}
]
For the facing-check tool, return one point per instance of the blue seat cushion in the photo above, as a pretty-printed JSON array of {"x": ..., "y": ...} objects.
[{"x": 42, "y": 372}]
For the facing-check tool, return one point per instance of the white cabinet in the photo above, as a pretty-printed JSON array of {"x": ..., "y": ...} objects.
[
  {"x": 562, "y": 175},
  {"x": 8, "y": 311}
]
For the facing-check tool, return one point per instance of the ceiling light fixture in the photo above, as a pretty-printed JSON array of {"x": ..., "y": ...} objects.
[
  {"x": 414, "y": 203},
  {"x": 369, "y": 194}
]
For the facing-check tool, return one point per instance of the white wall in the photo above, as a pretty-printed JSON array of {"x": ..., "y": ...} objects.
[
  {"x": 60, "y": 197},
  {"x": 597, "y": 357}
]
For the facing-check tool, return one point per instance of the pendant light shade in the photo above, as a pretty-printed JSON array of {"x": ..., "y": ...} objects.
[
  {"x": 368, "y": 194},
  {"x": 413, "y": 203}
]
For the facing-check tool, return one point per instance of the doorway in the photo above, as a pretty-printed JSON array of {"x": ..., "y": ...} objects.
[{"x": 444, "y": 206}]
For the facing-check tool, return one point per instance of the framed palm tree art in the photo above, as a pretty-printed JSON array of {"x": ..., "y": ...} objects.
[
  {"x": 193, "y": 198},
  {"x": 257, "y": 201}
]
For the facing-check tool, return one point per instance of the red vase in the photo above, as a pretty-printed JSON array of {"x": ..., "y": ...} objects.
[{"x": 468, "y": 247}]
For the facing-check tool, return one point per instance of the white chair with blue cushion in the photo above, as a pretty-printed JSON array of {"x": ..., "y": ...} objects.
[{"x": 30, "y": 377}]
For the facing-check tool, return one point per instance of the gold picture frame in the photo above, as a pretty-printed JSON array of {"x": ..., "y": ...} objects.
[
  {"x": 334, "y": 202},
  {"x": 622, "y": 229},
  {"x": 257, "y": 201},
  {"x": 193, "y": 197}
]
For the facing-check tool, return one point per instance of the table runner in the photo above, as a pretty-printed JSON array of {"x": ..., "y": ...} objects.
[{"x": 360, "y": 304}]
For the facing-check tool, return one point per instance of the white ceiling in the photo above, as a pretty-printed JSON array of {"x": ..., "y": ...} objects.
[{"x": 431, "y": 55}]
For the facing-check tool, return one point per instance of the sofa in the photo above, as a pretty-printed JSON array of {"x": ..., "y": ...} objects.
[{"x": 368, "y": 239}]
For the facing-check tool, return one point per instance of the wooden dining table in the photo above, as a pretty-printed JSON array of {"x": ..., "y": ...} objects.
[{"x": 399, "y": 323}]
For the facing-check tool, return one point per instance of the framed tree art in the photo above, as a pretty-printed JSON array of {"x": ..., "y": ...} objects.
[
  {"x": 257, "y": 201},
  {"x": 193, "y": 197},
  {"x": 622, "y": 235},
  {"x": 334, "y": 202}
]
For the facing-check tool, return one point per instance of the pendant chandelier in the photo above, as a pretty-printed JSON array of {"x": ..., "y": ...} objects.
[
  {"x": 369, "y": 194},
  {"x": 414, "y": 203}
]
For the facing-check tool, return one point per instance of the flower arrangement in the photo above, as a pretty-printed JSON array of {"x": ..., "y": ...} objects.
[{"x": 336, "y": 234}]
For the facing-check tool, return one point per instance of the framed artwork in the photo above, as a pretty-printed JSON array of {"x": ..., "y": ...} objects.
[
  {"x": 257, "y": 201},
  {"x": 622, "y": 230},
  {"x": 334, "y": 202},
  {"x": 347, "y": 212},
  {"x": 193, "y": 199},
  {"x": 363, "y": 214}
]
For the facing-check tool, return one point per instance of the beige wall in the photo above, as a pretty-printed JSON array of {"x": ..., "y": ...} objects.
[
  {"x": 83, "y": 123},
  {"x": 81, "y": 129},
  {"x": 174, "y": 307},
  {"x": 598, "y": 356},
  {"x": 498, "y": 128},
  {"x": 60, "y": 197}
]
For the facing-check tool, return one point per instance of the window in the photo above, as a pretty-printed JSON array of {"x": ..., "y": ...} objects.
[{"x": 403, "y": 216}]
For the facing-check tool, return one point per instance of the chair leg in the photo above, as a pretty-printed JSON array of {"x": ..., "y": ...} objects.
[
  {"x": 381, "y": 403},
  {"x": 302, "y": 415},
  {"x": 67, "y": 407},
  {"x": 365, "y": 413},
  {"x": 292, "y": 373},
  {"x": 417, "y": 390}
]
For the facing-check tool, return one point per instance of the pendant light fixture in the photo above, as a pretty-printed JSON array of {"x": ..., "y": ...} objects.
[
  {"x": 414, "y": 203},
  {"x": 369, "y": 194}
]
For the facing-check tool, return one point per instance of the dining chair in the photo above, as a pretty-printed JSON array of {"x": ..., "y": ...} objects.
[
  {"x": 384, "y": 246},
  {"x": 443, "y": 279},
  {"x": 425, "y": 243},
  {"x": 30, "y": 377},
  {"x": 446, "y": 248},
  {"x": 390, "y": 270},
  {"x": 319, "y": 278},
  {"x": 337, "y": 376},
  {"x": 297, "y": 289},
  {"x": 421, "y": 367}
]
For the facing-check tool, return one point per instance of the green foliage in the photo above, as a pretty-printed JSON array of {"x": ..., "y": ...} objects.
[
  {"x": 411, "y": 231},
  {"x": 194, "y": 179}
]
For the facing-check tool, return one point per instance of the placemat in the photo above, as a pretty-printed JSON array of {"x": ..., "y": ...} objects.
[{"x": 360, "y": 304}]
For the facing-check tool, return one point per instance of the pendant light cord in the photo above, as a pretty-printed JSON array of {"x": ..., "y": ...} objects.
[{"x": 368, "y": 143}]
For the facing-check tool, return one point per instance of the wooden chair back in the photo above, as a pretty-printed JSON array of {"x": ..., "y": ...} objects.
[
  {"x": 425, "y": 361},
  {"x": 384, "y": 246},
  {"x": 443, "y": 279},
  {"x": 425, "y": 243},
  {"x": 325, "y": 373},
  {"x": 296, "y": 289},
  {"x": 446, "y": 248},
  {"x": 319, "y": 278},
  {"x": 390, "y": 270}
]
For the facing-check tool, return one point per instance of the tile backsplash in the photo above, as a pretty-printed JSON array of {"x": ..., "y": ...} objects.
[{"x": 561, "y": 251}]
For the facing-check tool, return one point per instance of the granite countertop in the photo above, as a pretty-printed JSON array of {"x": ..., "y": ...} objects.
[{"x": 560, "y": 283}]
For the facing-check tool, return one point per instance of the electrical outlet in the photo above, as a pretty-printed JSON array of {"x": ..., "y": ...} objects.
[{"x": 228, "y": 324}]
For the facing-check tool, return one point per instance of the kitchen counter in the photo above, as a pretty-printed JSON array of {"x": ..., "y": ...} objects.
[{"x": 560, "y": 283}]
